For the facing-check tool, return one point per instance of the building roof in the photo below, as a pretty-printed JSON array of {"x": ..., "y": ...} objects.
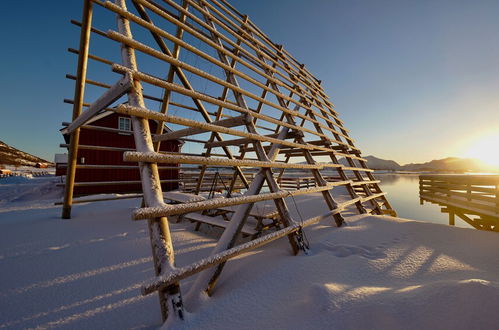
[
  {"x": 60, "y": 158},
  {"x": 108, "y": 113}
]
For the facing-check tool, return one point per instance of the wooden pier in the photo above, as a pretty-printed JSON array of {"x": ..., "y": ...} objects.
[{"x": 473, "y": 198}]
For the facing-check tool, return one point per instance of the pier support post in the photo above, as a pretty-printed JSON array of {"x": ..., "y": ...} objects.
[{"x": 452, "y": 218}]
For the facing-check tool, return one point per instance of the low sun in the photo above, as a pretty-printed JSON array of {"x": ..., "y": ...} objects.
[{"x": 486, "y": 149}]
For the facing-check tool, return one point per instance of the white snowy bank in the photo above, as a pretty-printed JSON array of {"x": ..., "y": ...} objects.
[{"x": 374, "y": 273}]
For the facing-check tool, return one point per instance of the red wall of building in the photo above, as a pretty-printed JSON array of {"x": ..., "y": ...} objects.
[{"x": 107, "y": 157}]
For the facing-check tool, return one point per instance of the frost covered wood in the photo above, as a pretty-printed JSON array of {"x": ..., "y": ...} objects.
[
  {"x": 154, "y": 157},
  {"x": 238, "y": 92},
  {"x": 184, "y": 272}
]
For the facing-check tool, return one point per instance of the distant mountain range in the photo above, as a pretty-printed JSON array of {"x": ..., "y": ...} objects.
[
  {"x": 13, "y": 156},
  {"x": 446, "y": 164}
]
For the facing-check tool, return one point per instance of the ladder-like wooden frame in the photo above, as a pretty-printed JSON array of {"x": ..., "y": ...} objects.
[{"x": 272, "y": 108}]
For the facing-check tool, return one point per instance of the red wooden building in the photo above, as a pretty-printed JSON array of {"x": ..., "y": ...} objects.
[{"x": 100, "y": 166}]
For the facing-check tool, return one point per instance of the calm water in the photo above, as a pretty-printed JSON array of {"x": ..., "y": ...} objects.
[{"x": 403, "y": 195}]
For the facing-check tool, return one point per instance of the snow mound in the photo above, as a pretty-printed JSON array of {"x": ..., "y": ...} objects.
[
  {"x": 16, "y": 179},
  {"x": 22, "y": 189},
  {"x": 463, "y": 304},
  {"x": 346, "y": 250}
]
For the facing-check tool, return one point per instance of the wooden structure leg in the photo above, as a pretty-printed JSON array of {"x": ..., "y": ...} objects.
[
  {"x": 452, "y": 220},
  {"x": 77, "y": 106},
  {"x": 159, "y": 231}
]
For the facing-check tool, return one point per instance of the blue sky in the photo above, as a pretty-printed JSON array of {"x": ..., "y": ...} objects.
[{"x": 413, "y": 80}]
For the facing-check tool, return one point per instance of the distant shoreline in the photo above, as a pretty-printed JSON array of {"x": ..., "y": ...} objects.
[{"x": 432, "y": 172}]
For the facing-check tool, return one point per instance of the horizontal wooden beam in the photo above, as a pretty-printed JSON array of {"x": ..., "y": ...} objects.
[
  {"x": 90, "y": 147},
  {"x": 462, "y": 179},
  {"x": 237, "y": 142},
  {"x": 230, "y": 122},
  {"x": 111, "y": 183},
  {"x": 154, "y": 157},
  {"x": 111, "y": 198},
  {"x": 186, "y": 271},
  {"x": 102, "y": 128},
  {"x": 464, "y": 205},
  {"x": 166, "y": 210},
  {"x": 145, "y": 113}
]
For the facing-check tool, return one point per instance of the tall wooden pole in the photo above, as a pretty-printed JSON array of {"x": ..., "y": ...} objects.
[
  {"x": 159, "y": 231},
  {"x": 77, "y": 106}
]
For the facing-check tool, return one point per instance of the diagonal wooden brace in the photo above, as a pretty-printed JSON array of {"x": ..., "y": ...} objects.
[{"x": 112, "y": 94}]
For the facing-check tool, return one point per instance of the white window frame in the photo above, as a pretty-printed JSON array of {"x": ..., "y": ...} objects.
[{"x": 124, "y": 124}]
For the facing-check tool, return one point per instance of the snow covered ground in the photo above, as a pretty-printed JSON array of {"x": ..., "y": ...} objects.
[{"x": 374, "y": 273}]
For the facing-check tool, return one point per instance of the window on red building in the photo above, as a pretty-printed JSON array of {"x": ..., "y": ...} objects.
[{"x": 124, "y": 124}]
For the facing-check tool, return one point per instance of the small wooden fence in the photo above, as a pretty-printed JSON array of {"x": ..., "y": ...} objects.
[
  {"x": 25, "y": 174},
  {"x": 189, "y": 181},
  {"x": 473, "y": 198}
]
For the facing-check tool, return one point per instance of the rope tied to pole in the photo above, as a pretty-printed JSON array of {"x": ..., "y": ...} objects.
[{"x": 301, "y": 237}]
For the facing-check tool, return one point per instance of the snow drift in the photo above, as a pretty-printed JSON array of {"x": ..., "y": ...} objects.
[{"x": 376, "y": 272}]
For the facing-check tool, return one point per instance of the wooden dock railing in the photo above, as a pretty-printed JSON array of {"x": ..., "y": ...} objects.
[{"x": 473, "y": 198}]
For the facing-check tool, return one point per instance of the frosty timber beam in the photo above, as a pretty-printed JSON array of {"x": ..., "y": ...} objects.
[
  {"x": 230, "y": 122},
  {"x": 184, "y": 272},
  {"x": 241, "y": 35},
  {"x": 155, "y": 29},
  {"x": 244, "y": 141},
  {"x": 111, "y": 95},
  {"x": 191, "y": 93},
  {"x": 150, "y": 51},
  {"x": 159, "y": 230},
  {"x": 140, "y": 112},
  {"x": 180, "y": 74},
  {"x": 81, "y": 74},
  {"x": 153, "y": 157},
  {"x": 166, "y": 210}
]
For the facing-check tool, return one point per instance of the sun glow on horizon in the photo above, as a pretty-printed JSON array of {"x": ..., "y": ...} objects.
[{"x": 485, "y": 148}]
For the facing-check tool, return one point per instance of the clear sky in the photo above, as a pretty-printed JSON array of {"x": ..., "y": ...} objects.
[{"x": 413, "y": 80}]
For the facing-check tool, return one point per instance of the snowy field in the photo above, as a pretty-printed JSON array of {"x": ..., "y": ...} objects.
[{"x": 376, "y": 272}]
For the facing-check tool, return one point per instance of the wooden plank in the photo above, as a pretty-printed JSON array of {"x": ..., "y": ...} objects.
[
  {"x": 145, "y": 113},
  {"x": 184, "y": 272},
  {"x": 230, "y": 122},
  {"x": 101, "y": 199},
  {"x": 166, "y": 210},
  {"x": 237, "y": 142},
  {"x": 154, "y": 157},
  {"x": 120, "y": 183},
  {"x": 217, "y": 222},
  {"x": 463, "y": 179},
  {"x": 469, "y": 196},
  {"x": 182, "y": 197},
  {"x": 217, "y": 46},
  {"x": 463, "y": 205}
]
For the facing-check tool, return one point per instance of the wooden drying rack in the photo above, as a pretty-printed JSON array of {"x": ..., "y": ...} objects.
[{"x": 251, "y": 101}]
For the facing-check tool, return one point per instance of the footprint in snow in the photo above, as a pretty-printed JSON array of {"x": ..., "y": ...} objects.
[{"x": 343, "y": 250}]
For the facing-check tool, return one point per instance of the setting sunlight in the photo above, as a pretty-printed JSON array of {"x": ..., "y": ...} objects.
[{"x": 485, "y": 148}]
